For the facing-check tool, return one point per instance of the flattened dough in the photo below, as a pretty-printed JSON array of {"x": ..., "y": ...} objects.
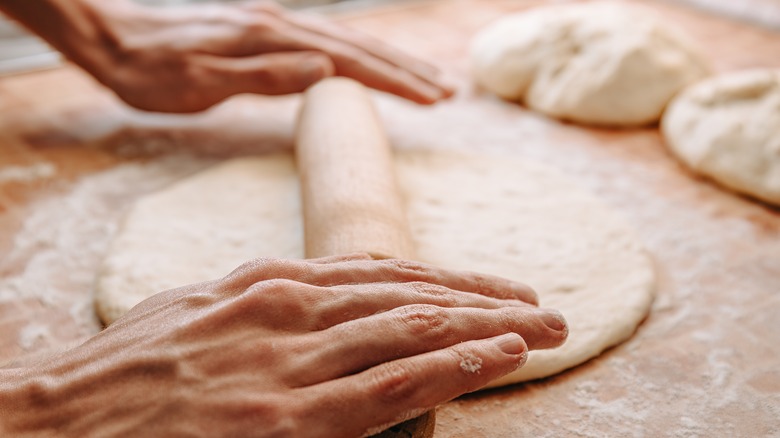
[
  {"x": 598, "y": 63},
  {"x": 496, "y": 215},
  {"x": 728, "y": 128}
]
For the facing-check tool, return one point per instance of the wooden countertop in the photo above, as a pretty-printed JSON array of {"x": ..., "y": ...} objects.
[{"x": 705, "y": 363}]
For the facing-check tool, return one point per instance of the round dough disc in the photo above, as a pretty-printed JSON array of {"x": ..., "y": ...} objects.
[
  {"x": 593, "y": 63},
  {"x": 728, "y": 128},
  {"x": 500, "y": 216}
]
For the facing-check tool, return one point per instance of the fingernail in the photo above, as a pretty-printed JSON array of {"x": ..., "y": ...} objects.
[
  {"x": 510, "y": 343},
  {"x": 552, "y": 319}
]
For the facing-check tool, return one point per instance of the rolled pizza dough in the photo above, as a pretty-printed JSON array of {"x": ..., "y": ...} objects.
[
  {"x": 728, "y": 128},
  {"x": 495, "y": 215},
  {"x": 595, "y": 63}
]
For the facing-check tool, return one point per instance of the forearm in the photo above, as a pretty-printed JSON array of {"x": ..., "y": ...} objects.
[
  {"x": 29, "y": 406},
  {"x": 77, "y": 394},
  {"x": 16, "y": 395},
  {"x": 79, "y": 29}
]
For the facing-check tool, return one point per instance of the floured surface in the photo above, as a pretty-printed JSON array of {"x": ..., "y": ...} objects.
[{"x": 505, "y": 217}]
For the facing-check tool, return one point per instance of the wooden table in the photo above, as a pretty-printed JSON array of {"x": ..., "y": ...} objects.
[{"x": 705, "y": 363}]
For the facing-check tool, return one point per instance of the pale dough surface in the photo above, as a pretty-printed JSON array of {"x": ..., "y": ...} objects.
[
  {"x": 728, "y": 128},
  {"x": 596, "y": 63},
  {"x": 496, "y": 215}
]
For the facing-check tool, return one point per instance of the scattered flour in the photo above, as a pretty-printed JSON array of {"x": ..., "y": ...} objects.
[
  {"x": 32, "y": 334},
  {"x": 51, "y": 265},
  {"x": 30, "y": 173}
]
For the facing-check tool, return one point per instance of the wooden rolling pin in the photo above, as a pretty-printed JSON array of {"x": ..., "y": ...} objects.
[{"x": 351, "y": 201}]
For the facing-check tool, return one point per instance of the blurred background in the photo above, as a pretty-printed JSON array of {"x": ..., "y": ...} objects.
[{"x": 20, "y": 52}]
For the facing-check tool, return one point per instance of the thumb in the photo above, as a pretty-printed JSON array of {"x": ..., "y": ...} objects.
[{"x": 273, "y": 73}]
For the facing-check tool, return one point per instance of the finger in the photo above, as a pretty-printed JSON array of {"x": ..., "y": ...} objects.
[
  {"x": 284, "y": 304},
  {"x": 396, "y": 391},
  {"x": 399, "y": 270},
  {"x": 360, "y": 344},
  {"x": 265, "y": 31},
  {"x": 376, "y": 271},
  {"x": 343, "y": 34},
  {"x": 368, "y": 44},
  {"x": 382, "y": 76},
  {"x": 273, "y": 74},
  {"x": 371, "y": 62},
  {"x": 335, "y": 31},
  {"x": 348, "y": 59},
  {"x": 340, "y": 304}
]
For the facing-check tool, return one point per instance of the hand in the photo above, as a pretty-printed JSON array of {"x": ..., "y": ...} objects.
[
  {"x": 332, "y": 347},
  {"x": 188, "y": 58}
]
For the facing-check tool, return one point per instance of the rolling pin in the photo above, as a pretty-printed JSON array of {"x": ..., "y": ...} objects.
[{"x": 351, "y": 201}]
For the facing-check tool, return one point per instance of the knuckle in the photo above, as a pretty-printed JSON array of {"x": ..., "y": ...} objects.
[
  {"x": 424, "y": 320},
  {"x": 485, "y": 285},
  {"x": 406, "y": 268},
  {"x": 248, "y": 268},
  {"x": 263, "y": 294},
  {"x": 442, "y": 294},
  {"x": 197, "y": 300},
  {"x": 278, "y": 416},
  {"x": 261, "y": 264},
  {"x": 274, "y": 289},
  {"x": 394, "y": 382},
  {"x": 508, "y": 318},
  {"x": 280, "y": 300},
  {"x": 263, "y": 269},
  {"x": 490, "y": 286}
]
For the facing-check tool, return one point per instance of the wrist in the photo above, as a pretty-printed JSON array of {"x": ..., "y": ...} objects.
[{"x": 47, "y": 400}]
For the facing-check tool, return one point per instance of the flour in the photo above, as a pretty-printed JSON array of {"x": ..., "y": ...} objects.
[
  {"x": 32, "y": 335},
  {"x": 470, "y": 363},
  {"x": 60, "y": 245},
  {"x": 30, "y": 173}
]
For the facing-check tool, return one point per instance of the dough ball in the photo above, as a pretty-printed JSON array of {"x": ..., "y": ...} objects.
[
  {"x": 594, "y": 63},
  {"x": 728, "y": 128}
]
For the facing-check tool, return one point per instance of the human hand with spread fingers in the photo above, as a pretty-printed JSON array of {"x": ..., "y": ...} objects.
[
  {"x": 344, "y": 346},
  {"x": 188, "y": 58}
]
